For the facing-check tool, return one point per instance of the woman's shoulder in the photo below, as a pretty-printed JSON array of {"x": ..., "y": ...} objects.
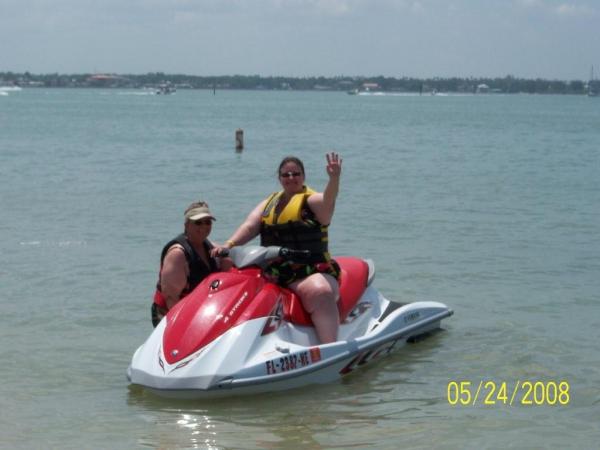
[{"x": 309, "y": 191}]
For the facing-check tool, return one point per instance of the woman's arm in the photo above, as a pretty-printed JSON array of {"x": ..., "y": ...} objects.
[
  {"x": 323, "y": 204},
  {"x": 173, "y": 275},
  {"x": 247, "y": 231}
]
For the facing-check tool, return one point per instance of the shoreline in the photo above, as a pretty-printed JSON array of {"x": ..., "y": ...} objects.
[{"x": 350, "y": 84}]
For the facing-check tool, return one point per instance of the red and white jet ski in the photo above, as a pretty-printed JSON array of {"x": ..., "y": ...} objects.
[{"x": 238, "y": 333}]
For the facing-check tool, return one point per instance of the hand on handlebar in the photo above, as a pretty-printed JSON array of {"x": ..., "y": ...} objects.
[{"x": 219, "y": 251}]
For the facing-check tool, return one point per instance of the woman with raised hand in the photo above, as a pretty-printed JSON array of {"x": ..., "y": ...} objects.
[{"x": 298, "y": 217}]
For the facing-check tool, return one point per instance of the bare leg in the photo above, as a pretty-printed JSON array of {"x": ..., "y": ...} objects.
[{"x": 319, "y": 293}]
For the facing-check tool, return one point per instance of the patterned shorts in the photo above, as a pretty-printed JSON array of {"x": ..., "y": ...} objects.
[{"x": 286, "y": 272}]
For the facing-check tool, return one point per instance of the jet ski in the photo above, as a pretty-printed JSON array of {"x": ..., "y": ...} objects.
[{"x": 238, "y": 333}]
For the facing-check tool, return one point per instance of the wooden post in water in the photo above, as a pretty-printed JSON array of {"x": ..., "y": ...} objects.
[{"x": 239, "y": 139}]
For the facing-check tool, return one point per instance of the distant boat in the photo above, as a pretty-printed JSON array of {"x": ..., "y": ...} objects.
[
  {"x": 4, "y": 90},
  {"x": 367, "y": 89},
  {"x": 591, "y": 92},
  {"x": 165, "y": 89}
]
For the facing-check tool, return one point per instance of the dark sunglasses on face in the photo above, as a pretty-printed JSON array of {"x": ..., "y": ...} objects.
[
  {"x": 203, "y": 222},
  {"x": 290, "y": 174}
]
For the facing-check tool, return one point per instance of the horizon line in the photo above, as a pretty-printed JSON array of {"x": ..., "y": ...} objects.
[{"x": 396, "y": 77}]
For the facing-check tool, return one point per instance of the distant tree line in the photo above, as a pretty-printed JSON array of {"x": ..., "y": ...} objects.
[{"x": 507, "y": 84}]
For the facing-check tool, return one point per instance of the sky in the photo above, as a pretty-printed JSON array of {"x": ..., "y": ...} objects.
[{"x": 550, "y": 39}]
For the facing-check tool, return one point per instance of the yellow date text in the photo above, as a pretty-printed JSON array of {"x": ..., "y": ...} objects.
[{"x": 526, "y": 393}]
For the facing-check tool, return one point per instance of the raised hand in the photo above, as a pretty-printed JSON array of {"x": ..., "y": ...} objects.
[{"x": 334, "y": 165}]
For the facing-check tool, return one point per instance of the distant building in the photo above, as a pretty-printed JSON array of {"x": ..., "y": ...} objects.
[
  {"x": 104, "y": 80},
  {"x": 483, "y": 89},
  {"x": 370, "y": 87}
]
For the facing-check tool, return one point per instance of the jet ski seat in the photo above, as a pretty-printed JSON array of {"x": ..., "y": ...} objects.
[{"x": 356, "y": 275}]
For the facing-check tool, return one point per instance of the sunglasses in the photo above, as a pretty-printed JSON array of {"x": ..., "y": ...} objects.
[
  {"x": 290, "y": 174},
  {"x": 202, "y": 222}
]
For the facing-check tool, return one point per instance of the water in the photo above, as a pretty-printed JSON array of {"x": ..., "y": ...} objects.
[{"x": 490, "y": 204}]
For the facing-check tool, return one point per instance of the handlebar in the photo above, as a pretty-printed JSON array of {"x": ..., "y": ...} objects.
[
  {"x": 223, "y": 252},
  {"x": 257, "y": 255}
]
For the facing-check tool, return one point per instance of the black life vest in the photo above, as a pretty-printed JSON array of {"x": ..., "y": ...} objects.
[{"x": 197, "y": 268}]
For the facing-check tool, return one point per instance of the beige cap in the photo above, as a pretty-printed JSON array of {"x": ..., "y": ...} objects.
[{"x": 197, "y": 211}]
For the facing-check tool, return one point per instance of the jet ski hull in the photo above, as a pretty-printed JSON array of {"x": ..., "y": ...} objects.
[{"x": 285, "y": 359}]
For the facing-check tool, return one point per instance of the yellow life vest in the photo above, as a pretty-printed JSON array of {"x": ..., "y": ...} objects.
[{"x": 295, "y": 226}]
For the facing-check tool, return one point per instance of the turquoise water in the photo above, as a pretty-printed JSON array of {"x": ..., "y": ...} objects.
[{"x": 490, "y": 204}]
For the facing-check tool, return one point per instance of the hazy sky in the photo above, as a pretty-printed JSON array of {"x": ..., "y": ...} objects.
[{"x": 553, "y": 39}]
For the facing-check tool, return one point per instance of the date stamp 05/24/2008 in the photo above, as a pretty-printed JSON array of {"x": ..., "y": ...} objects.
[{"x": 526, "y": 393}]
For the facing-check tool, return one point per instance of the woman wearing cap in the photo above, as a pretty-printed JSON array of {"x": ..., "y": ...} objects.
[
  {"x": 298, "y": 217},
  {"x": 185, "y": 261}
]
